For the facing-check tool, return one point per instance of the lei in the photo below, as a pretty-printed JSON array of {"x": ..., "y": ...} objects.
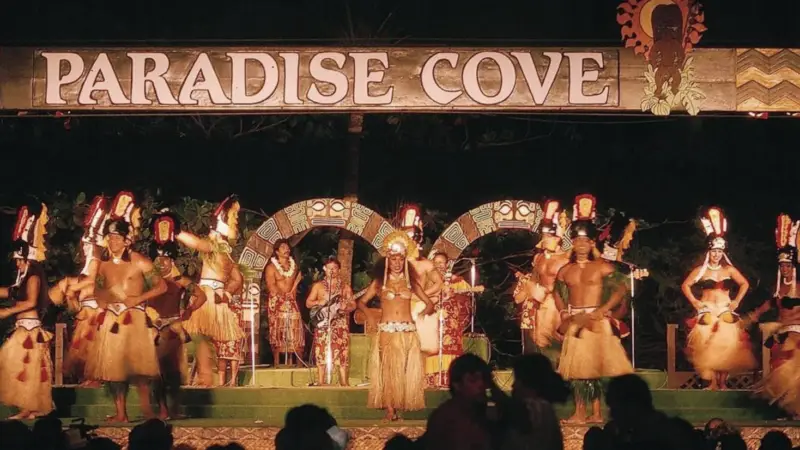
[{"x": 284, "y": 273}]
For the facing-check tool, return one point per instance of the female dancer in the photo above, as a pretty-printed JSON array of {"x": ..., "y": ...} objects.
[
  {"x": 717, "y": 345},
  {"x": 26, "y": 368},
  {"x": 396, "y": 368}
]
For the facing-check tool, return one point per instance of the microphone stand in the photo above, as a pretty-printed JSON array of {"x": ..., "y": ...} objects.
[{"x": 472, "y": 295}]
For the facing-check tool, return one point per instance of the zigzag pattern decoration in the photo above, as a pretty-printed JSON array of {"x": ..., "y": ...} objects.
[{"x": 768, "y": 80}]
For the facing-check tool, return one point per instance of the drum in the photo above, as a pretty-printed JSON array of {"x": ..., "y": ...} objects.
[{"x": 427, "y": 328}]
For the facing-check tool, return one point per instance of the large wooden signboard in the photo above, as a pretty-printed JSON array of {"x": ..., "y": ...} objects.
[
  {"x": 658, "y": 70},
  {"x": 388, "y": 80}
]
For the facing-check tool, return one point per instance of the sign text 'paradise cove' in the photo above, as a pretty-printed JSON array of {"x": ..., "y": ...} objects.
[{"x": 314, "y": 79}]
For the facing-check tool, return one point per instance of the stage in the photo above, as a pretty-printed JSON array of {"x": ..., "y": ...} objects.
[{"x": 253, "y": 415}]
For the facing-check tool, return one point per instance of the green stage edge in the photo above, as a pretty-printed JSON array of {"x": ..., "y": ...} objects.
[
  {"x": 275, "y": 391},
  {"x": 267, "y": 406}
]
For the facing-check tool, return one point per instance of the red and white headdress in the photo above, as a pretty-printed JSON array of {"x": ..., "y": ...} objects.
[
  {"x": 411, "y": 222},
  {"x": 124, "y": 217},
  {"x": 29, "y": 231},
  {"x": 584, "y": 212},
  {"x": 221, "y": 219},
  {"x": 715, "y": 225},
  {"x": 786, "y": 242},
  {"x": 93, "y": 231}
]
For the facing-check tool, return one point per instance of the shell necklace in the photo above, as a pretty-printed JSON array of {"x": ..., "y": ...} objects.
[{"x": 279, "y": 268}]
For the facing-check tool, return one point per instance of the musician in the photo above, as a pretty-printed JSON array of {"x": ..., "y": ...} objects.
[
  {"x": 397, "y": 375},
  {"x": 587, "y": 289},
  {"x": 454, "y": 308},
  {"x": 286, "y": 332},
  {"x": 782, "y": 385},
  {"x": 25, "y": 365},
  {"x": 331, "y": 301},
  {"x": 219, "y": 279},
  {"x": 534, "y": 292}
]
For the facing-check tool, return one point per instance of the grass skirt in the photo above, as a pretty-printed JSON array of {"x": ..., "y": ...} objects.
[
  {"x": 213, "y": 319},
  {"x": 396, "y": 372},
  {"x": 127, "y": 351},
  {"x": 81, "y": 348},
  {"x": 592, "y": 353},
  {"x": 716, "y": 344},
  {"x": 782, "y": 385},
  {"x": 26, "y": 370},
  {"x": 286, "y": 331}
]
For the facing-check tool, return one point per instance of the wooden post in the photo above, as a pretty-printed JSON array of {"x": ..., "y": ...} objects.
[
  {"x": 672, "y": 381},
  {"x": 58, "y": 373}
]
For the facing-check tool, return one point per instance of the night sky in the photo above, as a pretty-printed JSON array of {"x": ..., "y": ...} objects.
[{"x": 654, "y": 168}]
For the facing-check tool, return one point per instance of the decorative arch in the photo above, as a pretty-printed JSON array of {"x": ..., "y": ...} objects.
[
  {"x": 486, "y": 219},
  {"x": 304, "y": 215}
]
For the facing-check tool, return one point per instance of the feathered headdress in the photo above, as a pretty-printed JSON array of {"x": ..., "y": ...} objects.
[
  {"x": 715, "y": 225},
  {"x": 124, "y": 217},
  {"x": 165, "y": 227},
  {"x": 584, "y": 211},
  {"x": 411, "y": 222},
  {"x": 550, "y": 221},
  {"x": 786, "y": 242},
  {"x": 93, "y": 231},
  {"x": 616, "y": 237},
  {"x": 222, "y": 219},
  {"x": 29, "y": 232},
  {"x": 93, "y": 223},
  {"x": 555, "y": 223},
  {"x": 399, "y": 243}
]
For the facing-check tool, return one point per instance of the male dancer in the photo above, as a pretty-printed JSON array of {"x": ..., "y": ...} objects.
[
  {"x": 219, "y": 279},
  {"x": 171, "y": 337},
  {"x": 124, "y": 282},
  {"x": 534, "y": 292},
  {"x": 331, "y": 301},
  {"x": 286, "y": 332},
  {"x": 591, "y": 349}
]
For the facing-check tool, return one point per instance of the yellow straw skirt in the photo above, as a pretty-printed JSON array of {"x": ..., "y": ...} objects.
[
  {"x": 26, "y": 370},
  {"x": 103, "y": 323},
  {"x": 81, "y": 347},
  {"x": 782, "y": 385},
  {"x": 213, "y": 319},
  {"x": 592, "y": 353},
  {"x": 547, "y": 322},
  {"x": 396, "y": 372},
  {"x": 717, "y": 344},
  {"x": 127, "y": 351}
]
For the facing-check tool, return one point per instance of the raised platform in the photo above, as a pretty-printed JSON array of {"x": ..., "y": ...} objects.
[{"x": 253, "y": 415}]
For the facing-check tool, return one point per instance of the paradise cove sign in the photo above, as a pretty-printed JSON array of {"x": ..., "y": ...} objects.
[
  {"x": 659, "y": 70},
  {"x": 249, "y": 79},
  {"x": 314, "y": 79}
]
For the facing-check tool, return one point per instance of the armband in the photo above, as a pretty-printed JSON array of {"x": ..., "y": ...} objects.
[
  {"x": 150, "y": 278},
  {"x": 562, "y": 290}
]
